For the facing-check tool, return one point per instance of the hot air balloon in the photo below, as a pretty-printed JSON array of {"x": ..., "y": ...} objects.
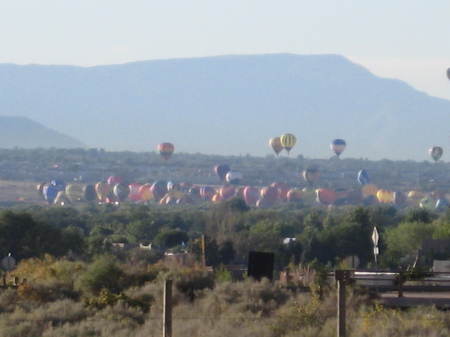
[
  {"x": 222, "y": 170},
  {"x": 145, "y": 191},
  {"x": 448, "y": 73},
  {"x": 311, "y": 174},
  {"x": 427, "y": 203},
  {"x": 441, "y": 204},
  {"x": 294, "y": 195},
  {"x": 436, "y": 152},
  {"x": 216, "y": 198},
  {"x": 227, "y": 192},
  {"x": 288, "y": 141},
  {"x": 251, "y": 195},
  {"x": 282, "y": 189},
  {"x": 325, "y": 196},
  {"x": 159, "y": 189},
  {"x": 103, "y": 190},
  {"x": 363, "y": 177},
  {"x": 415, "y": 195},
  {"x": 166, "y": 150},
  {"x": 39, "y": 189},
  {"x": 275, "y": 143},
  {"x": 89, "y": 193},
  {"x": 385, "y": 196},
  {"x": 369, "y": 190},
  {"x": 61, "y": 199},
  {"x": 338, "y": 146},
  {"x": 50, "y": 192},
  {"x": 194, "y": 192},
  {"x": 233, "y": 177},
  {"x": 121, "y": 192},
  {"x": 134, "y": 194},
  {"x": 74, "y": 192},
  {"x": 207, "y": 192},
  {"x": 113, "y": 180},
  {"x": 269, "y": 195}
]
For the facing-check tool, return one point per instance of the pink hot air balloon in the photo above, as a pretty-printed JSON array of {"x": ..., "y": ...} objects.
[
  {"x": 114, "y": 180},
  {"x": 251, "y": 195},
  {"x": 134, "y": 194}
]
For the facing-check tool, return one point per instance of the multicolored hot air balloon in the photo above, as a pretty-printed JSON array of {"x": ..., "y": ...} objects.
[
  {"x": 145, "y": 192},
  {"x": 166, "y": 150},
  {"x": 103, "y": 190},
  {"x": 436, "y": 152},
  {"x": 288, "y": 141},
  {"x": 338, "y": 146},
  {"x": 134, "y": 194},
  {"x": 269, "y": 195},
  {"x": 363, "y": 177},
  {"x": 113, "y": 180},
  {"x": 275, "y": 143},
  {"x": 222, "y": 170},
  {"x": 227, "y": 192},
  {"x": 369, "y": 190}
]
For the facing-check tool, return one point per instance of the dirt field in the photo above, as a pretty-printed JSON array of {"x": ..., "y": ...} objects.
[{"x": 19, "y": 191}]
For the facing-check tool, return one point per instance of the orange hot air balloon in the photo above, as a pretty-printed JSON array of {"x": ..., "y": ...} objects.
[
  {"x": 385, "y": 196},
  {"x": 166, "y": 150},
  {"x": 368, "y": 190},
  {"x": 325, "y": 196},
  {"x": 227, "y": 192},
  {"x": 276, "y": 145},
  {"x": 251, "y": 195},
  {"x": 294, "y": 195},
  {"x": 145, "y": 191}
]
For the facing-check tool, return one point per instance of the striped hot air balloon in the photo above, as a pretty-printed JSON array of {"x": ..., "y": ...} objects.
[
  {"x": 288, "y": 141},
  {"x": 166, "y": 150},
  {"x": 338, "y": 146}
]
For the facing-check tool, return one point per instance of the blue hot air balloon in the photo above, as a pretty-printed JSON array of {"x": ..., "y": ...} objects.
[{"x": 363, "y": 177}]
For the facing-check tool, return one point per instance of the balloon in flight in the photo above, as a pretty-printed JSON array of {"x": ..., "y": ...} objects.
[
  {"x": 276, "y": 145},
  {"x": 222, "y": 170},
  {"x": 288, "y": 141},
  {"x": 436, "y": 152},
  {"x": 338, "y": 146},
  {"x": 166, "y": 150}
]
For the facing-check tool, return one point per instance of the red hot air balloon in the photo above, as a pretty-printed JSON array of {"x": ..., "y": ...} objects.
[
  {"x": 222, "y": 170},
  {"x": 325, "y": 196},
  {"x": 166, "y": 150},
  {"x": 294, "y": 195},
  {"x": 251, "y": 195}
]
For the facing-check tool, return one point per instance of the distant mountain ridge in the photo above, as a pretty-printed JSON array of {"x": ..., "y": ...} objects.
[
  {"x": 22, "y": 132},
  {"x": 231, "y": 105}
]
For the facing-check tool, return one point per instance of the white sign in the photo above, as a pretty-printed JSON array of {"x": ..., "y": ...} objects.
[{"x": 375, "y": 236}]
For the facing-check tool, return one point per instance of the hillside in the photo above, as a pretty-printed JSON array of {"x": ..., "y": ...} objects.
[
  {"x": 230, "y": 105},
  {"x": 24, "y": 133}
]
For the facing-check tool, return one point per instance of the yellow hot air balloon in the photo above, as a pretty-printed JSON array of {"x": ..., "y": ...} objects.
[
  {"x": 275, "y": 143},
  {"x": 75, "y": 192},
  {"x": 288, "y": 141},
  {"x": 385, "y": 196}
]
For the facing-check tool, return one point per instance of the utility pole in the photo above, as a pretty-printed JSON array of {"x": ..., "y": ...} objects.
[
  {"x": 342, "y": 277},
  {"x": 167, "y": 310},
  {"x": 203, "y": 243}
]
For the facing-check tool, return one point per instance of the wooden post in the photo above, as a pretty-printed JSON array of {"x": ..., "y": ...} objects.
[
  {"x": 203, "y": 243},
  {"x": 341, "y": 277},
  {"x": 167, "y": 311}
]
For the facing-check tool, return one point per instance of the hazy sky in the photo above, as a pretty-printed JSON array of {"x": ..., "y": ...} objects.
[{"x": 405, "y": 39}]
